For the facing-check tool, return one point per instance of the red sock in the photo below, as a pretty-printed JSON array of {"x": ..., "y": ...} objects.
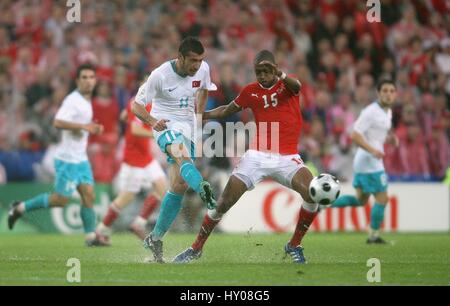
[
  {"x": 304, "y": 221},
  {"x": 111, "y": 215},
  {"x": 207, "y": 227},
  {"x": 148, "y": 207}
]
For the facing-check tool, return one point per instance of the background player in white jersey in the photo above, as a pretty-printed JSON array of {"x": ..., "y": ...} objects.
[
  {"x": 370, "y": 132},
  {"x": 173, "y": 88},
  {"x": 73, "y": 170}
]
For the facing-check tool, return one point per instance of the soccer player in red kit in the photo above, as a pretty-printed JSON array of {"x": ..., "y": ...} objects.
[
  {"x": 274, "y": 100},
  {"x": 139, "y": 171}
]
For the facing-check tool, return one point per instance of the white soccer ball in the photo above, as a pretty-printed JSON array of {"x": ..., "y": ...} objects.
[{"x": 324, "y": 189}]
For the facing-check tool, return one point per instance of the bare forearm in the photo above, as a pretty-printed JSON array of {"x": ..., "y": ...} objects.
[
  {"x": 139, "y": 131},
  {"x": 222, "y": 111},
  {"x": 217, "y": 113},
  {"x": 292, "y": 84},
  {"x": 142, "y": 114}
]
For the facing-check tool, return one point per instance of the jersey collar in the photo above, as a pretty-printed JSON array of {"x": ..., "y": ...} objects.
[
  {"x": 382, "y": 108},
  {"x": 268, "y": 88},
  {"x": 173, "y": 63}
]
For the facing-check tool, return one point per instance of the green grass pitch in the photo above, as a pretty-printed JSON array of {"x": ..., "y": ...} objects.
[{"x": 228, "y": 260}]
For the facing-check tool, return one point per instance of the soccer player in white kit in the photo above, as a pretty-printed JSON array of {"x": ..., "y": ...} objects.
[
  {"x": 371, "y": 130},
  {"x": 173, "y": 88},
  {"x": 73, "y": 170}
]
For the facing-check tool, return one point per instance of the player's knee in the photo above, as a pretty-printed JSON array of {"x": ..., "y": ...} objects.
[
  {"x": 383, "y": 200},
  {"x": 301, "y": 182},
  {"x": 179, "y": 188},
  {"x": 89, "y": 198},
  {"x": 57, "y": 200}
]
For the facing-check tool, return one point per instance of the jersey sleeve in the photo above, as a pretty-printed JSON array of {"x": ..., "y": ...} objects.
[
  {"x": 67, "y": 111},
  {"x": 207, "y": 84},
  {"x": 243, "y": 99},
  {"x": 149, "y": 89},
  {"x": 363, "y": 122}
]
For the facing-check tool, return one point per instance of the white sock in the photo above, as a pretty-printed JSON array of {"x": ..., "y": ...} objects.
[
  {"x": 374, "y": 233},
  {"x": 140, "y": 221},
  {"x": 21, "y": 207},
  {"x": 90, "y": 236},
  {"x": 311, "y": 207},
  {"x": 214, "y": 215},
  {"x": 103, "y": 229}
]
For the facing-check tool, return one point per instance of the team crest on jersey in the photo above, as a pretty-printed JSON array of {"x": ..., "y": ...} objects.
[{"x": 196, "y": 84}]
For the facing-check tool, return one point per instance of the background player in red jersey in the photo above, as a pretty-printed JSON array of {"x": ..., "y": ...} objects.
[
  {"x": 274, "y": 100},
  {"x": 138, "y": 171}
]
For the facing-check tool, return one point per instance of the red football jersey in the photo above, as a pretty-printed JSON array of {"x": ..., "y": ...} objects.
[
  {"x": 273, "y": 105},
  {"x": 137, "y": 150}
]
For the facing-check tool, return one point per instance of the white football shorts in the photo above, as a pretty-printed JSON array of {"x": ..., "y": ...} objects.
[
  {"x": 135, "y": 179},
  {"x": 256, "y": 166}
]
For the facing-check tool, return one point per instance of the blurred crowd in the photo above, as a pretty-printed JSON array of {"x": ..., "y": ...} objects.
[{"x": 328, "y": 44}]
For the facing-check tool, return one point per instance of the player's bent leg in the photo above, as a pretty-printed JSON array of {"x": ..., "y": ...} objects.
[
  {"x": 377, "y": 217},
  {"x": 307, "y": 214},
  {"x": 58, "y": 200},
  {"x": 87, "y": 214},
  {"x": 103, "y": 231},
  {"x": 347, "y": 200},
  {"x": 234, "y": 189},
  {"x": 362, "y": 196},
  {"x": 64, "y": 189},
  {"x": 42, "y": 201},
  {"x": 138, "y": 225},
  {"x": 191, "y": 174},
  {"x": 360, "y": 199},
  {"x": 354, "y": 201},
  {"x": 124, "y": 199},
  {"x": 300, "y": 183}
]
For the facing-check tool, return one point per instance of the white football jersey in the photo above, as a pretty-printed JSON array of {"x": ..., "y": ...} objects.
[
  {"x": 76, "y": 109},
  {"x": 374, "y": 124},
  {"x": 173, "y": 96}
]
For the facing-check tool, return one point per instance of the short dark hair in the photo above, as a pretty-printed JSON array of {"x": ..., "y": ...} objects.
[
  {"x": 85, "y": 66},
  {"x": 383, "y": 82},
  {"x": 191, "y": 44},
  {"x": 264, "y": 55}
]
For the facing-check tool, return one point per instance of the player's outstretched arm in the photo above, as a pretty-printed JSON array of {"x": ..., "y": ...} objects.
[
  {"x": 93, "y": 128},
  {"x": 222, "y": 111}
]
